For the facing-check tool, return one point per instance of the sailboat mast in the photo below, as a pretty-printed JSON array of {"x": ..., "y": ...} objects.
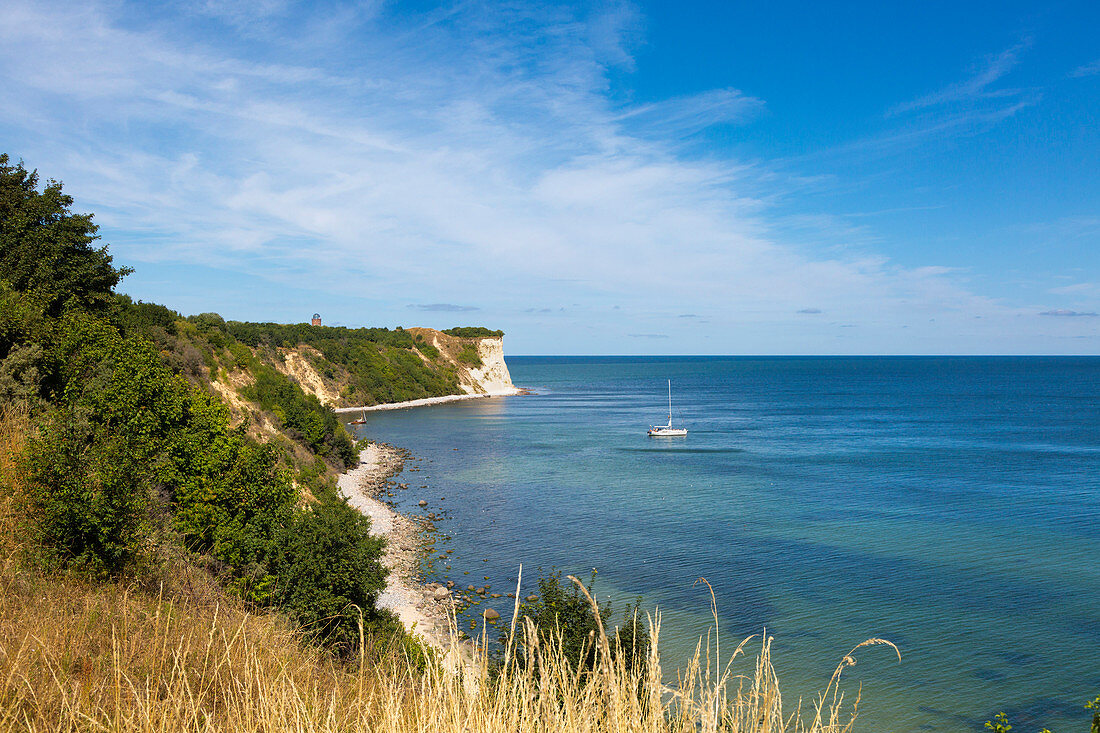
[{"x": 670, "y": 403}]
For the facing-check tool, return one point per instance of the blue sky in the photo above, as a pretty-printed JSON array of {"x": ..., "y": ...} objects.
[{"x": 593, "y": 178}]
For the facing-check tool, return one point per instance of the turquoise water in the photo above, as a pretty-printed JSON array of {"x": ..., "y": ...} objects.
[{"x": 950, "y": 505}]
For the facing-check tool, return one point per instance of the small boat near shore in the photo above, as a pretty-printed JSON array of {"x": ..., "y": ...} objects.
[
  {"x": 360, "y": 421},
  {"x": 667, "y": 431}
]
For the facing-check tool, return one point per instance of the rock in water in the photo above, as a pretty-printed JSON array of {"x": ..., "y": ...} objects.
[
  {"x": 422, "y": 502},
  {"x": 490, "y": 614}
]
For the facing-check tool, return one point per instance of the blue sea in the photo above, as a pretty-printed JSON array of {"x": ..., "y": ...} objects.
[{"x": 950, "y": 505}]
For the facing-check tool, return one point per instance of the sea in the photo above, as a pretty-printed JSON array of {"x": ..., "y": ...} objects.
[{"x": 948, "y": 504}]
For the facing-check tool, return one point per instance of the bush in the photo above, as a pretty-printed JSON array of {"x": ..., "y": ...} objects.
[
  {"x": 561, "y": 608},
  {"x": 328, "y": 569},
  {"x": 100, "y": 454},
  {"x": 473, "y": 332},
  {"x": 304, "y": 414},
  {"x": 469, "y": 355}
]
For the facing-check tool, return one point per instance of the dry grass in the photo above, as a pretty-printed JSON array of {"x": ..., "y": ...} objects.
[
  {"x": 14, "y": 428},
  {"x": 75, "y": 656}
]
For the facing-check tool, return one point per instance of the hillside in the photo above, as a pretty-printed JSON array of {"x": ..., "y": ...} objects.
[{"x": 345, "y": 367}]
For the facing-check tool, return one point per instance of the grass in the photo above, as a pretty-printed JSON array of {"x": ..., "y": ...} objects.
[{"x": 179, "y": 655}]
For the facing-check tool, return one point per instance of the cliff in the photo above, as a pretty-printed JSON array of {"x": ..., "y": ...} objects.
[
  {"x": 483, "y": 374},
  {"x": 432, "y": 365}
]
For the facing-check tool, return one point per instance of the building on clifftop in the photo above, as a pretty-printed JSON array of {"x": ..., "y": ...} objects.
[{"x": 316, "y": 319}]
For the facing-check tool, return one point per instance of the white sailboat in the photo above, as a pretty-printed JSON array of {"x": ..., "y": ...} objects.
[{"x": 667, "y": 431}]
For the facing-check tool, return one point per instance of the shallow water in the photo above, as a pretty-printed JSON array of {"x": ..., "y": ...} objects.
[{"x": 947, "y": 504}]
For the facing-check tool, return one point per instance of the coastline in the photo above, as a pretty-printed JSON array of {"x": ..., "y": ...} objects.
[
  {"x": 427, "y": 401},
  {"x": 425, "y": 610}
]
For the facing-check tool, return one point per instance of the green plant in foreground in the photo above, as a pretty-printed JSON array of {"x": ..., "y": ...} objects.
[
  {"x": 1000, "y": 723},
  {"x": 561, "y": 611}
]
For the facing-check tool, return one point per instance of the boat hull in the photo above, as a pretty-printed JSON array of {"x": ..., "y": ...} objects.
[{"x": 666, "y": 432}]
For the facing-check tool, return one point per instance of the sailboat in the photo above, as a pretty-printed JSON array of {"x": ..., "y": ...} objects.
[
  {"x": 361, "y": 420},
  {"x": 663, "y": 431}
]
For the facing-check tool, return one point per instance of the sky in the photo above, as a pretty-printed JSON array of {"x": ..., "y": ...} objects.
[{"x": 593, "y": 178}]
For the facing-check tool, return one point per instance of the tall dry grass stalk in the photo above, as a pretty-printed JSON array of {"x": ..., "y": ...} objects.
[
  {"x": 76, "y": 657},
  {"x": 14, "y": 428}
]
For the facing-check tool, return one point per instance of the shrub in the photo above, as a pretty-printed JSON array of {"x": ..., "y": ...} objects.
[
  {"x": 562, "y": 609},
  {"x": 100, "y": 454},
  {"x": 469, "y": 355},
  {"x": 473, "y": 332},
  {"x": 327, "y": 565},
  {"x": 304, "y": 414}
]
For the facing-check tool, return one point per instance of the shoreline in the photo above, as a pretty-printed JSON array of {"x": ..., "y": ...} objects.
[
  {"x": 425, "y": 610},
  {"x": 427, "y": 401}
]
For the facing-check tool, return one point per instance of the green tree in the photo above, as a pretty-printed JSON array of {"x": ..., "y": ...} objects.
[
  {"x": 100, "y": 455},
  {"x": 327, "y": 565},
  {"x": 47, "y": 249}
]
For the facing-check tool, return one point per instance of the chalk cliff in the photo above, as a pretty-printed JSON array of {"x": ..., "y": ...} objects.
[
  {"x": 490, "y": 377},
  {"x": 477, "y": 363}
]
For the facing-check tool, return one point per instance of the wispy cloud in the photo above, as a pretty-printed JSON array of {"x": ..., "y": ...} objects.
[
  {"x": 442, "y": 307},
  {"x": 460, "y": 156},
  {"x": 1091, "y": 69},
  {"x": 648, "y": 335},
  {"x": 978, "y": 86},
  {"x": 1069, "y": 313},
  {"x": 683, "y": 116},
  {"x": 810, "y": 311}
]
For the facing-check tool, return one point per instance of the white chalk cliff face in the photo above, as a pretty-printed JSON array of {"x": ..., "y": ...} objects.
[{"x": 492, "y": 377}]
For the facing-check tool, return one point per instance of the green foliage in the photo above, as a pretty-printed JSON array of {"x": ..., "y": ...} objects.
[
  {"x": 303, "y": 414},
  {"x": 562, "y": 609},
  {"x": 47, "y": 250},
  {"x": 155, "y": 322},
  {"x": 381, "y": 364},
  {"x": 473, "y": 332},
  {"x": 101, "y": 453},
  {"x": 1000, "y": 724},
  {"x": 426, "y": 349},
  {"x": 130, "y": 455},
  {"x": 327, "y": 564},
  {"x": 292, "y": 334},
  {"x": 469, "y": 355},
  {"x": 243, "y": 357}
]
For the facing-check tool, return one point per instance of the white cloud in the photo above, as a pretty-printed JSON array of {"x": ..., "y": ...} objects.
[
  {"x": 1091, "y": 69},
  {"x": 472, "y": 158},
  {"x": 978, "y": 86}
]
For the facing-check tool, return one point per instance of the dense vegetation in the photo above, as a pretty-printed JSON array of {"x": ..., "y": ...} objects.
[
  {"x": 380, "y": 365},
  {"x": 133, "y": 460},
  {"x": 473, "y": 332}
]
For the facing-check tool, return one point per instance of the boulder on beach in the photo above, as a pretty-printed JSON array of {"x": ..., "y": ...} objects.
[{"x": 442, "y": 594}]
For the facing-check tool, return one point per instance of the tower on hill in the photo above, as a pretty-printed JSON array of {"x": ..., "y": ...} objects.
[{"x": 316, "y": 319}]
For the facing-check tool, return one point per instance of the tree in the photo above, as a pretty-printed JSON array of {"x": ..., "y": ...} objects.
[
  {"x": 326, "y": 562},
  {"x": 46, "y": 249}
]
